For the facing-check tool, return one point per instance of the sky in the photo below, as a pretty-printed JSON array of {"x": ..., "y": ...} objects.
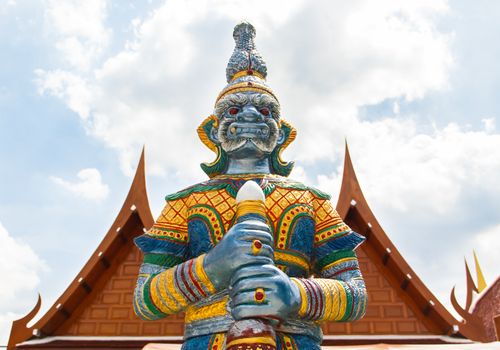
[{"x": 413, "y": 86}]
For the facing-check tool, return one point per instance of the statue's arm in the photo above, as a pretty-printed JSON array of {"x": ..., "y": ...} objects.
[
  {"x": 161, "y": 292},
  {"x": 167, "y": 283},
  {"x": 339, "y": 294}
]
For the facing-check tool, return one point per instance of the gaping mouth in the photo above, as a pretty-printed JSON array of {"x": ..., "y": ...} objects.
[{"x": 247, "y": 130}]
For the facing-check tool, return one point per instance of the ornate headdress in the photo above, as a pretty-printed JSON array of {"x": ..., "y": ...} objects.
[
  {"x": 246, "y": 69},
  {"x": 246, "y": 72}
]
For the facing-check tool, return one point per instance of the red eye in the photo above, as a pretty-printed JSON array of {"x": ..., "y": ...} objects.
[
  {"x": 233, "y": 110},
  {"x": 265, "y": 111}
]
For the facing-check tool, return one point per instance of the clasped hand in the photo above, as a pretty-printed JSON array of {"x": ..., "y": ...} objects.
[
  {"x": 279, "y": 298},
  {"x": 233, "y": 264}
]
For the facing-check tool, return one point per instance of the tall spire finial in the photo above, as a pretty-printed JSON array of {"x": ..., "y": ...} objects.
[
  {"x": 481, "y": 282},
  {"x": 245, "y": 57}
]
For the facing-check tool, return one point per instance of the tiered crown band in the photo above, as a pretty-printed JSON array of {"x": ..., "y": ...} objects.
[{"x": 245, "y": 86}]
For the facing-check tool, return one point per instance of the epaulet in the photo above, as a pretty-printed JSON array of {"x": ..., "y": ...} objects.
[
  {"x": 320, "y": 194},
  {"x": 201, "y": 187},
  {"x": 300, "y": 186}
]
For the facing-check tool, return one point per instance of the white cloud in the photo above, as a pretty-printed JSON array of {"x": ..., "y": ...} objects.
[
  {"x": 410, "y": 171},
  {"x": 369, "y": 52},
  {"x": 79, "y": 29},
  {"x": 20, "y": 268},
  {"x": 489, "y": 124},
  {"x": 90, "y": 185},
  {"x": 70, "y": 87}
]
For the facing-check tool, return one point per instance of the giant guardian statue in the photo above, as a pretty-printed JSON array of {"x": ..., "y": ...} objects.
[{"x": 264, "y": 272}]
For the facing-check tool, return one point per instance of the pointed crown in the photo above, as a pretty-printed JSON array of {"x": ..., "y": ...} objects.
[{"x": 246, "y": 69}]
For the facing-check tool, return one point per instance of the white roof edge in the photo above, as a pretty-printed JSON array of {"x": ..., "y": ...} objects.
[
  {"x": 382, "y": 337},
  {"x": 46, "y": 340}
]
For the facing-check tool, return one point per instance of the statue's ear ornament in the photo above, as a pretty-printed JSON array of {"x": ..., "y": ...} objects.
[
  {"x": 204, "y": 130},
  {"x": 278, "y": 165}
]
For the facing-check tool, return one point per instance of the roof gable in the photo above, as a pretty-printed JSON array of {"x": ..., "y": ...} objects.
[{"x": 353, "y": 208}]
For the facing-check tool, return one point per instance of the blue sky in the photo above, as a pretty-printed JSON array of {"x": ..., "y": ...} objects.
[{"x": 413, "y": 86}]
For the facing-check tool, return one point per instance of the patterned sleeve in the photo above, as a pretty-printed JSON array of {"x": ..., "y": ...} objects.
[
  {"x": 167, "y": 283},
  {"x": 339, "y": 293}
]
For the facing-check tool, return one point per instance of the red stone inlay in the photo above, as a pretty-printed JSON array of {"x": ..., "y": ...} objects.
[
  {"x": 257, "y": 244},
  {"x": 259, "y": 296}
]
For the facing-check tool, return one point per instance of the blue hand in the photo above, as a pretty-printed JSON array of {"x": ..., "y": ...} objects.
[
  {"x": 234, "y": 252},
  {"x": 282, "y": 296}
]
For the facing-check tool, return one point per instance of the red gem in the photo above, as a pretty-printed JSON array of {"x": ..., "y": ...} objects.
[
  {"x": 259, "y": 296},
  {"x": 257, "y": 244},
  {"x": 250, "y": 72}
]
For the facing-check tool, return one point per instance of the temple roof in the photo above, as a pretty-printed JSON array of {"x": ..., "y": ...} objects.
[{"x": 408, "y": 296}]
